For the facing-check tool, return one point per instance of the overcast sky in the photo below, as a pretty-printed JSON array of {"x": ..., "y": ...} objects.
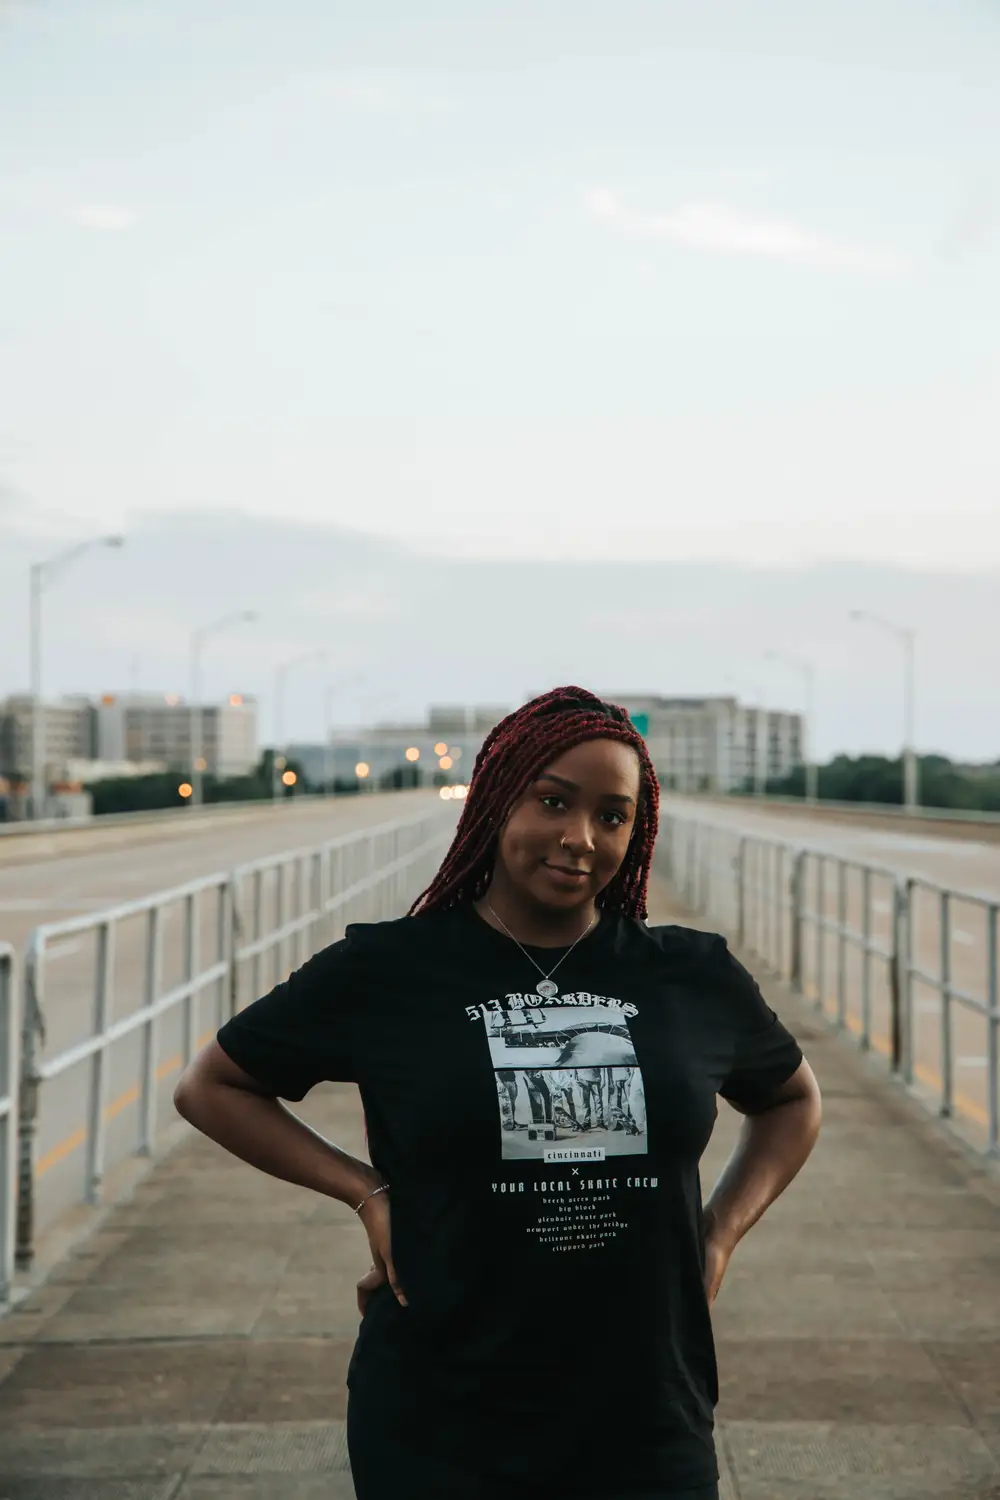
[{"x": 523, "y": 279}]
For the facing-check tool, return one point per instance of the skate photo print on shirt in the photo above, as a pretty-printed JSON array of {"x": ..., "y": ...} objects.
[{"x": 569, "y": 1088}]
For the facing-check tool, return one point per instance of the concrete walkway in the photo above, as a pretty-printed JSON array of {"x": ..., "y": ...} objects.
[{"x": 195, "y": 1347}]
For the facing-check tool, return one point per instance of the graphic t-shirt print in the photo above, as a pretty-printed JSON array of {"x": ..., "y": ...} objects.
[{"x": 569, "y": 1087}]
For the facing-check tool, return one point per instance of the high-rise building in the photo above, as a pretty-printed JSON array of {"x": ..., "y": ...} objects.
[
  {"x": 66, "y": 732},
  {"x": 146, "y": 728},
  {"x": 714, "y": 744},
  {"x": 158, "y": 727}
]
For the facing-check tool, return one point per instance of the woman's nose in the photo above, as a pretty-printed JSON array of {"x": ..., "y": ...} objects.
[{"x": 578, "y": 838}]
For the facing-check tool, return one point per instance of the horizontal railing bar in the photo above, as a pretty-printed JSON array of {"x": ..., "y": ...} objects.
[
  {"x": 91, "y": 921},
  {"x": 826, "y": 853},
  {"x": 962, "y": 997},
  {"x": 219, "y": 879},
  {"x": 258, "y": 946},
  {"x": 63, "y": 1061},
  {"x": 876, "y": 809},
  {"x": 343, "y": 841}
]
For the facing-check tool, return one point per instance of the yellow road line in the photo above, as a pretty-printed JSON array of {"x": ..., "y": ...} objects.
[{"x": 112, "y": 1111}]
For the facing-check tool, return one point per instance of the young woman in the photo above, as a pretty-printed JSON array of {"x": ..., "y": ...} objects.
[{"x": 539, "y": 1072}]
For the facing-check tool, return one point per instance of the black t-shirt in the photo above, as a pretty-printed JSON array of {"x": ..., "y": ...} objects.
[{"x": 543, "y": 1160}]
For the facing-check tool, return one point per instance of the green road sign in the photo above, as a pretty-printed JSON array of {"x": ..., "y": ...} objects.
[{"x": 641, "y": 722}]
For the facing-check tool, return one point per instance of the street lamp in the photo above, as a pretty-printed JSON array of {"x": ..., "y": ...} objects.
[
  {"x": 281, "y": 672},
  {"x": 808, "y": 673},
  {"x": 41, "y": 574},
  {"x": 906, "y": 635},
  {"x": 198, "y": 639}
]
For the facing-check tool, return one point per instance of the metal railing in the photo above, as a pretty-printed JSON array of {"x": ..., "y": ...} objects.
[
  {"x": 910, "y": 967},
  {"x": 9, "y": 1049},
  {"x": 894, "y": 810},
  {"x": 288, "y": 906},
  {"x": 190, "y": 957}
]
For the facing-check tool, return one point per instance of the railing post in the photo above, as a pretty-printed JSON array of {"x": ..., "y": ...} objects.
[
  {"x": 898, "y": 973},
  {"x": 32, "y": 1039},
  {"x": 234, "y": 931},
  {"x": 9, "y": 1078},
  {"x": 992, "y": 1025},
  {"x": 741, "y": 905},
  {"x": 99, "y": 1064},
  {"x": 947, "y": 1060},
  {"x": 820, "y": 930},
  {"x": 907, "y": 989},
  {"x": 280, "y": 903},
  {"x": 315, "y": 930},
  {"x": 150, "y": 1035},
  {"x": 223, "y": 953},
  {"x": 774, "y": 908},
  {"x": 258, "y": 924},
  {"x": 191, "y": 946},
  {"x": 841, "y": 943},
  {"x": 797, "y": 895},
  {"x": 781, "y": 908},
  {"x": 865, "y": 1040}
]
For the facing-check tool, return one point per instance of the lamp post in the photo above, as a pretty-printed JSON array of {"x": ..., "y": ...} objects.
[
  {"x": 906, "y": 636},
  {"x": 280, "y": 674},
  {"x": 808, "y": 673},
  {"x": 198, "y": 639},
  {"x": 41, "y": 574}
]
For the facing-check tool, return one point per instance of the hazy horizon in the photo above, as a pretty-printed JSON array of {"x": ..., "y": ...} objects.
[{"x": 415, "y": 630}]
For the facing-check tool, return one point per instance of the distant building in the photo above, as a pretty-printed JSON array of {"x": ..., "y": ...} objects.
[
  {"x": 130, "y": 728},
  {"x": 158, "y": 727},
  {"x": 67, "y": 734},
  {"x": 443, "y": 749},
  {"x": 714, "y": 744}
]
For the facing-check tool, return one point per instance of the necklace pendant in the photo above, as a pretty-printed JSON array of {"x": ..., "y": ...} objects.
[{"x": 547, "y": 988}]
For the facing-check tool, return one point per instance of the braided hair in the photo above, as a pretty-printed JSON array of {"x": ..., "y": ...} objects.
[{"x": 512, "y": 756}]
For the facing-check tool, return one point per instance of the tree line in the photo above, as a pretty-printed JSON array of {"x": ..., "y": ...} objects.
[
  {"x": 120, "y": 794},
  {"x": 876, "y": 778}
]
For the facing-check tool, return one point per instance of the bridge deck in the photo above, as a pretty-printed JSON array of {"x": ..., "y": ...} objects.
[{"x": 195, "y": 1346}]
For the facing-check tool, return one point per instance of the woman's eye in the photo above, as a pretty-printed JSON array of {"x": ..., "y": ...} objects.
[
  {"x": 552, "y": 800},
  {"x": 619, "y": 819}
]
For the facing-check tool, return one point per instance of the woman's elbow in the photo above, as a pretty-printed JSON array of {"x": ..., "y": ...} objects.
[{"x": 206, "y": 1078}]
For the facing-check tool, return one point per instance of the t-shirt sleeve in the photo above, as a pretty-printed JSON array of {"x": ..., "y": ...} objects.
[
  {"x": 301, "y": 1033},
  {"x": 765, "y": 1054}
]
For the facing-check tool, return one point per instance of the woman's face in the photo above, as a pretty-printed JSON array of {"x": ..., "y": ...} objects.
[{"x": 564, "y": 839}]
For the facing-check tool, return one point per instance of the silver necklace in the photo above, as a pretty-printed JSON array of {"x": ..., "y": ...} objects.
[{"x": 546, "y": 986}]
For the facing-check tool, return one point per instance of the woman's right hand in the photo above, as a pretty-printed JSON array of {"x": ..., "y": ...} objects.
[{"x": 376, "y": 1216}]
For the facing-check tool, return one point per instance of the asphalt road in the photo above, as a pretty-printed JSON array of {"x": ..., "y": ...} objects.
[
  {"x": 103, "y": 871},
  {"x": 950, "y": 947}
]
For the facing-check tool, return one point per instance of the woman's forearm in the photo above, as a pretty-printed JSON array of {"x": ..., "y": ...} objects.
[
  {"x": 772, "y": 1148},
  {"x": 261, "y": 1131}
]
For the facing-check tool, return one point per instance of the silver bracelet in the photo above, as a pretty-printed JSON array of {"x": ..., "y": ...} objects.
[{"x": 383, "y": 1189}]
